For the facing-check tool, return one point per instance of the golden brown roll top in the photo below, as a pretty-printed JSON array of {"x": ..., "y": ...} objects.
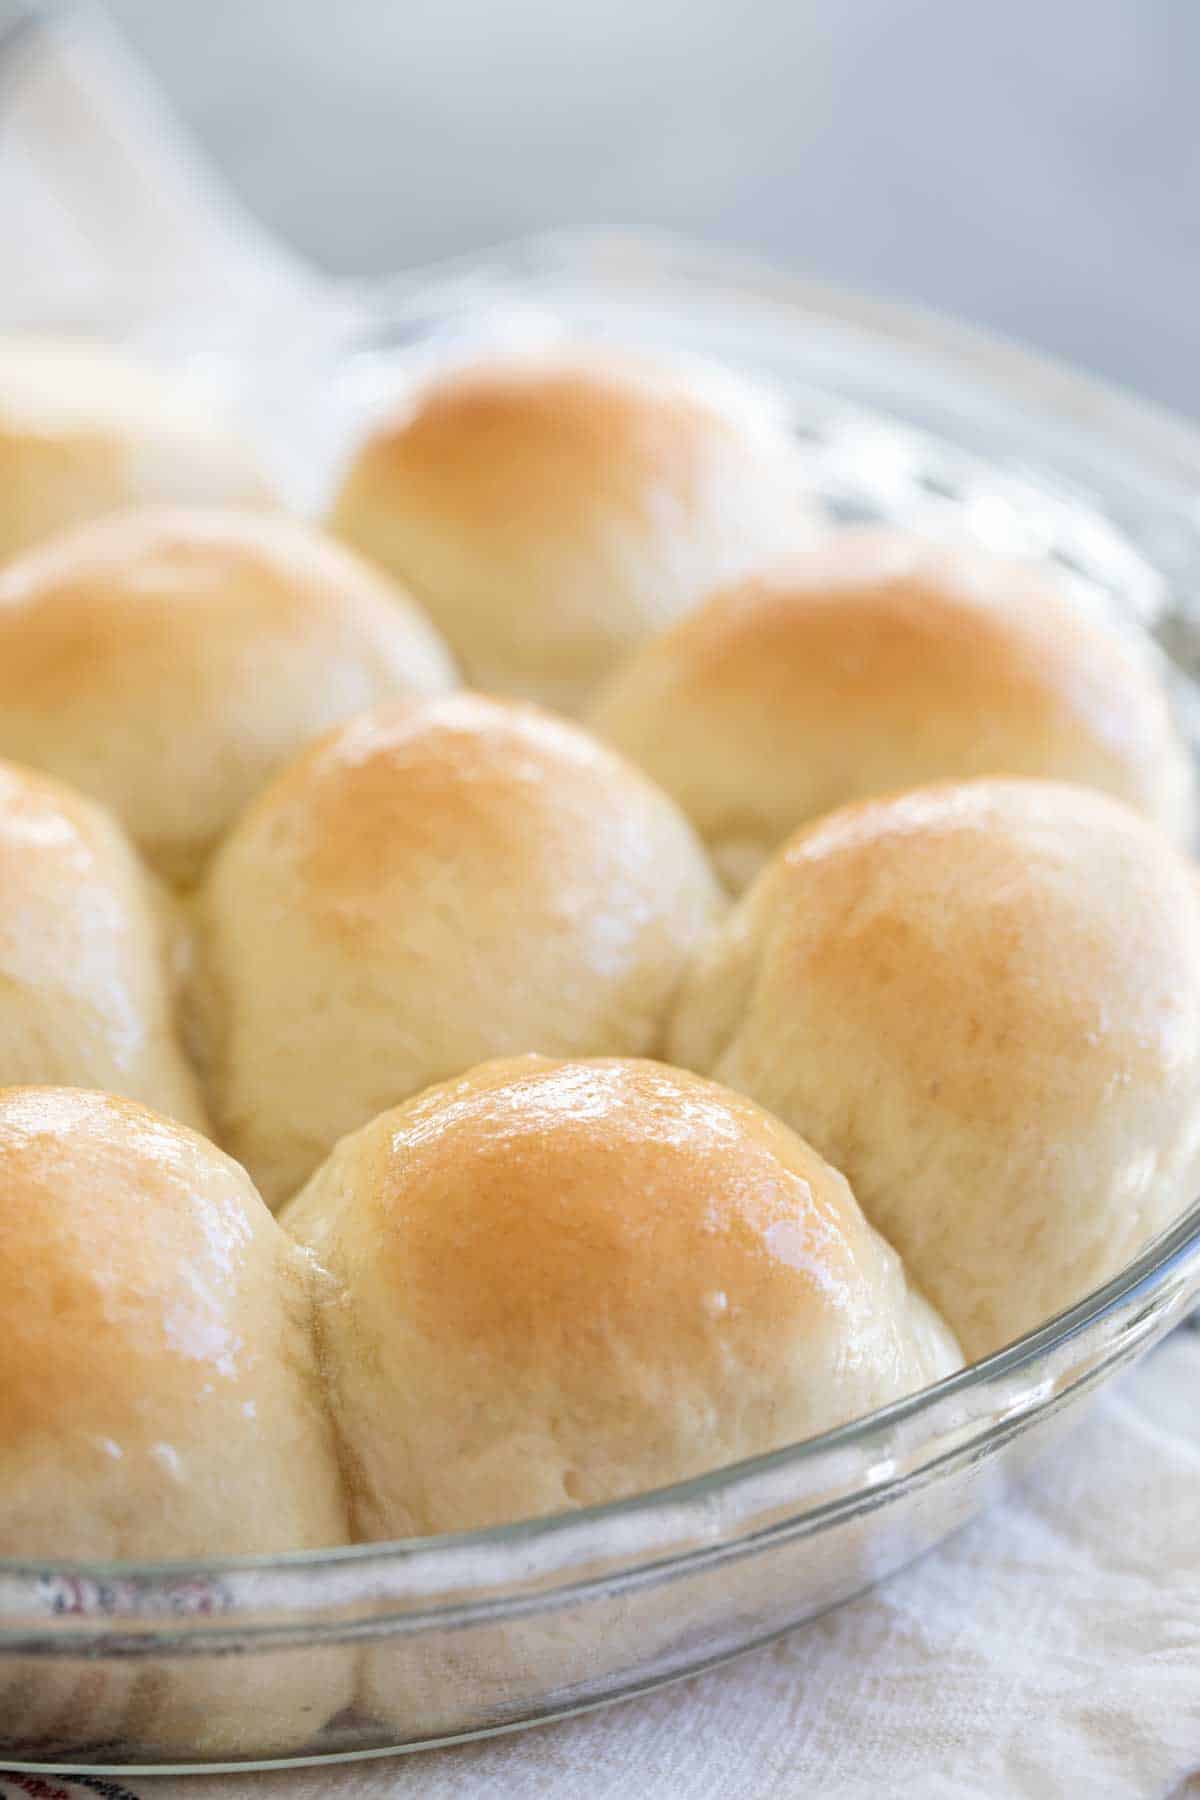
[
  {"x": 876, "y": 662},
  {"x": 434, "y": 884},
  {"x": 552, "y": 510},
  {"x": 159, "y": 1400},
  {"x": 159, "y": 1395},
  {"x": 85, "y": 430},
  {"x": 87, "y": 953},
  {"x": 556, "y": 1283},
  {"x": 982, "y": 1003},
  {"x": 168, "y": 660}
]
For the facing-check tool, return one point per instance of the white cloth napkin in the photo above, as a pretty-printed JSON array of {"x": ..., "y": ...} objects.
[
  {"x": 111, "y": 219},
  {"x": 1050, "y": 1650}
]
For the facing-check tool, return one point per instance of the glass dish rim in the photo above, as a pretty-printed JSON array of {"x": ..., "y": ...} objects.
[
  {"x": 1165, "y": 446},
  {"x": 1061, "y": 390},
  {"x": 1143, "y": 1278}
]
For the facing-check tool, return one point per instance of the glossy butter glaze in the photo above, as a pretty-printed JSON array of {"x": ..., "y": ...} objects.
[{"x": 554, "y": 1284}]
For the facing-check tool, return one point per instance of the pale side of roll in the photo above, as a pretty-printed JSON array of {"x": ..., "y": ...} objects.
[
  {"x": 168, "y": 660},
  {"x": 89, "y": 953},
  {"x": 982, "y": 1003},
  {"x": 875, "y": 662},
  {"x": 86, "y": 429},
  {"x": 160, "y": 1400},
  {"x": 557, "y": 1283},
  {"x": 434, "y": 884},
  {"x": 552, "y": 510}
]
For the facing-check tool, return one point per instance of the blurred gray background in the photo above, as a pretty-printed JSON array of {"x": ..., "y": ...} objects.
[{"x": 1032, "y": 165}]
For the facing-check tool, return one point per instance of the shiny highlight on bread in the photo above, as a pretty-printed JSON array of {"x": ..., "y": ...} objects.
[{"x": 981, "y": 1001}]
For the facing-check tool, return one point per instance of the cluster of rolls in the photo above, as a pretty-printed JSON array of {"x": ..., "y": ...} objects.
[{"x": 683, "y": 980}]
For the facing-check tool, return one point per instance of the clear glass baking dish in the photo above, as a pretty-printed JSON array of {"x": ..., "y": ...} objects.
[{"x": 386, "y": 1647}]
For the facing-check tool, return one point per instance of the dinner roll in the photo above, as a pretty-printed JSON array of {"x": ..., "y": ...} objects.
[
  {"x": 982, "y": 1003},
  {"x": 85, "y": 429},
  {"x": 159, "y": 1400},
  {"x": 557, "y": 1283},
  {"x": 87, "y": 949},
  {"x": 435, "y": 883},
  {"x": 168, "y": 660},
  {"x": 552, "y": 510},
  {"x": 876, "y": 662}
]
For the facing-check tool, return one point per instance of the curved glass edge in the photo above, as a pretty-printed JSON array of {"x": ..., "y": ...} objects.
[
  {"x": 364, "y": 1590},
  {"x": 1148, "y": 436},
  {"x": 79, "y": 1607}
]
